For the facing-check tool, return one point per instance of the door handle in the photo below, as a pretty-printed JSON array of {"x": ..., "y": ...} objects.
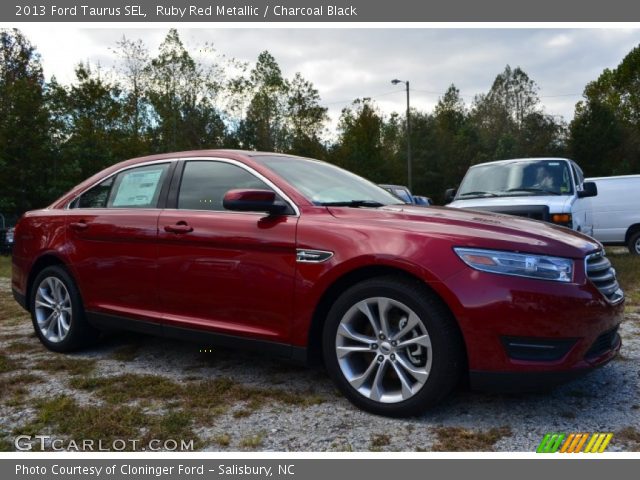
[
  {"x": 178, "y": 228},
  {"x": 79, "y": 226}
]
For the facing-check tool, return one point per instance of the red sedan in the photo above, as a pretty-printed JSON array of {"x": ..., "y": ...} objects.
[{"x": 303, "y": 259}]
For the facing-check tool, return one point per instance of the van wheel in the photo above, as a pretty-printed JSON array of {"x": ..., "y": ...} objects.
[
  {"x": 57, "y": 312},
  {"x": 634, "y": 243},
  {"x": 392, "y": 347}
]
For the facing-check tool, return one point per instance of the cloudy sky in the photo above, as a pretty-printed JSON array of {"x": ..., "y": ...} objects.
[{"x": 345, "y": 64}]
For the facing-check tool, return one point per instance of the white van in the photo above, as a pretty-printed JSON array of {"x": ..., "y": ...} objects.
[
  {"x": 549, "y": 189},
  {"x": 616, "y": 211}
]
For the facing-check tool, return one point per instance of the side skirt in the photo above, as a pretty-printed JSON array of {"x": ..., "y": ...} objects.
[{"x": 113, "y": 322}]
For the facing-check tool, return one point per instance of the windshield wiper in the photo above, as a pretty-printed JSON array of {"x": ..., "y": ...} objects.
[
  {"x": 354, "y": 204},
  {"x": 534, "y": 190},
  {"x": 488, "y": 194}
]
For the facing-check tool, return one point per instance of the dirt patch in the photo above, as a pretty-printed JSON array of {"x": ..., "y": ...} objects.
[{"x": 458, "y": 439}]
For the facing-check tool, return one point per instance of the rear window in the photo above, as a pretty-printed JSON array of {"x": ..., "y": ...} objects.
[{"x": 137, "y": 187}]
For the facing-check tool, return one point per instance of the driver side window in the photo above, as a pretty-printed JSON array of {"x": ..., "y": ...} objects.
[{"x": 204, "y": 184}]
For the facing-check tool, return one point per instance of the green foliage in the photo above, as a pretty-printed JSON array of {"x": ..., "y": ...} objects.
[
  {"x": 605, "y": 132},
  {"x": 25, "y": 145},
  {"x": 52, "y": 135}
]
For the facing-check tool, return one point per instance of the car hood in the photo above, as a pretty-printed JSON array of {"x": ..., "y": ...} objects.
[
  {"x": 556, "y": 203},
  {"x": 472, "y": 229}
]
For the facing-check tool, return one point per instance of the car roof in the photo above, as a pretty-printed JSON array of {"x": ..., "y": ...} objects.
[
  {"x": 209, "y": 153},
  {"x": 515, "y": 160},
  {"x": 241, "y": 155}
]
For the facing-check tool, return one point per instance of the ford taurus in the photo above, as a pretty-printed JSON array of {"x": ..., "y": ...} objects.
[{"x": 302, "y": 259}]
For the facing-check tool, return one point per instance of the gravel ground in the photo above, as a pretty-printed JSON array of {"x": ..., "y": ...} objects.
[{"x": 606, "y": 400}]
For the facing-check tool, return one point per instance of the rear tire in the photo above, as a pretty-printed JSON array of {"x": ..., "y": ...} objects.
[
  {"x": 634, "y": 243},
  {"x": 392, "y": 347},
  {"x": 57, "y": 312}
]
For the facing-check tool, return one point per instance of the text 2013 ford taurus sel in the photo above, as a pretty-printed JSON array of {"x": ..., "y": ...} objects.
[{"x": 303, "y": 259}]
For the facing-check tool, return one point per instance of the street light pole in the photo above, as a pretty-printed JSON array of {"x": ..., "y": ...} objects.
[{"x": 409, "y": 173}]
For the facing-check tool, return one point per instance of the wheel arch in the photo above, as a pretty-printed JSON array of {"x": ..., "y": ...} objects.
[
  {"x": 44, "y": 261},
  {"x": 347, "y": 280},
  {"x": 633, "y": 229}
]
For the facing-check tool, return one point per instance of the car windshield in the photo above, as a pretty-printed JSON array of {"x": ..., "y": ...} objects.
[
  {"x": 326, "y": 184},
  {"x": 402, "y": 195},
  {"x": 517, "y": 178}
]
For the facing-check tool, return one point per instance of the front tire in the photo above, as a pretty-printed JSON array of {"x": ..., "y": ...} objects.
[
  {"x": 57, "y": 312},
  {"x": 392, "y": 347}
]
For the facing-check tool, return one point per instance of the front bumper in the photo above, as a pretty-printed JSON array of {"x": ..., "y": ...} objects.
[
  {"x": 493, "y": 309},
  {"x": 512, "y": 382}
]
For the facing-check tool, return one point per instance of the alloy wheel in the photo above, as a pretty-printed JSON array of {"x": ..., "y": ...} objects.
[
  {"x": 384, "y": 350},
  {"x": 53, "y": 309}
]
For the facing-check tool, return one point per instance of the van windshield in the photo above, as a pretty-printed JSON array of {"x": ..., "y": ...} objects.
[{"x": 517, "y": 178}]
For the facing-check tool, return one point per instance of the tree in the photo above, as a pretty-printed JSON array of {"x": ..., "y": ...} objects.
[
  {"x": 182, "y": 94},
  {"x": 305, "y": 118},
  {"x": 134, "y": 79},
  {"x": 605, "y": 131},
  {"x": 25, "y": 147},
  {"x": 264, "y": 126},
  {"x": 360, "y": 147},
  {"x": 92, "y": 135},
  {"x": 511, "y": 122}
]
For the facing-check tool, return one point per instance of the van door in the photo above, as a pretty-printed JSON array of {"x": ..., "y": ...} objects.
[{"x": 581, "y": 211}]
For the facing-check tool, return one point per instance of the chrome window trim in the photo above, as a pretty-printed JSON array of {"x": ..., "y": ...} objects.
[{"x": 247, "y": 168}]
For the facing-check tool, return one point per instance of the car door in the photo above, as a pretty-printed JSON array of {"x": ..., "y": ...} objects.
[
  {"x": 112, "y": 231},
  {"x": 222, "y": 271}
]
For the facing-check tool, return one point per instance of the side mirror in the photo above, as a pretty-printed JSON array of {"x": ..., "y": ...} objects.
[
  {"x": 449, "y": 194},
  {"x": 589, "y": 189},
  {"x": 253, "y": 201}
]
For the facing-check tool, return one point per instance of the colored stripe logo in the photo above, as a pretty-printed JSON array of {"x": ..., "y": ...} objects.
[{"x": 574, "y": 443}]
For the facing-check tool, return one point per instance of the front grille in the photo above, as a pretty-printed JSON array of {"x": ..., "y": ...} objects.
[
  {"x": 534, "y": 212},
  {"x": 603, "y": 276},
  {"x": 603, "y": 343}
]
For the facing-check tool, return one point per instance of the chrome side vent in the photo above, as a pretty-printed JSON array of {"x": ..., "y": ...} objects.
[
  {"x": 304, "y": 255},
  {"x": 603, "y": 276}
]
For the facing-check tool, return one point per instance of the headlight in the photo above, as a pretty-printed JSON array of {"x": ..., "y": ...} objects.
[{"x": 541, "y": 267}]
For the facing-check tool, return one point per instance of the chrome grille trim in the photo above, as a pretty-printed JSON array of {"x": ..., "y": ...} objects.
[{"x": 602, "y": 275}]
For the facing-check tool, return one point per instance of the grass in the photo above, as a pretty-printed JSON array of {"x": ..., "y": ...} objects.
[
  {"x": 66, "y": 364},
  {"x": 204, "y": 399},
  {"x": 6, "y": 445},
  {"x": 458, "y": 439},
  {"x": 6, "y": 364},
  {"x": 379, "y": 440},
  {"x": 253, "y": 441},
  {"x": 224, "y": 439},
  {"x": 126, "y": 353},
  {"x": 5, "y": 266},
  {"x": 62, "y": 415},
  {"x": 11, "y": 314},
  {"x": 23, "y": 347},
  {"x": 128, "y": 387},
  {"x": 15, "y": 389},
  {"x": 69, "y": 418},
  {"x": 628, "y": 270},
  {"x": 630, "y": 436}
]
